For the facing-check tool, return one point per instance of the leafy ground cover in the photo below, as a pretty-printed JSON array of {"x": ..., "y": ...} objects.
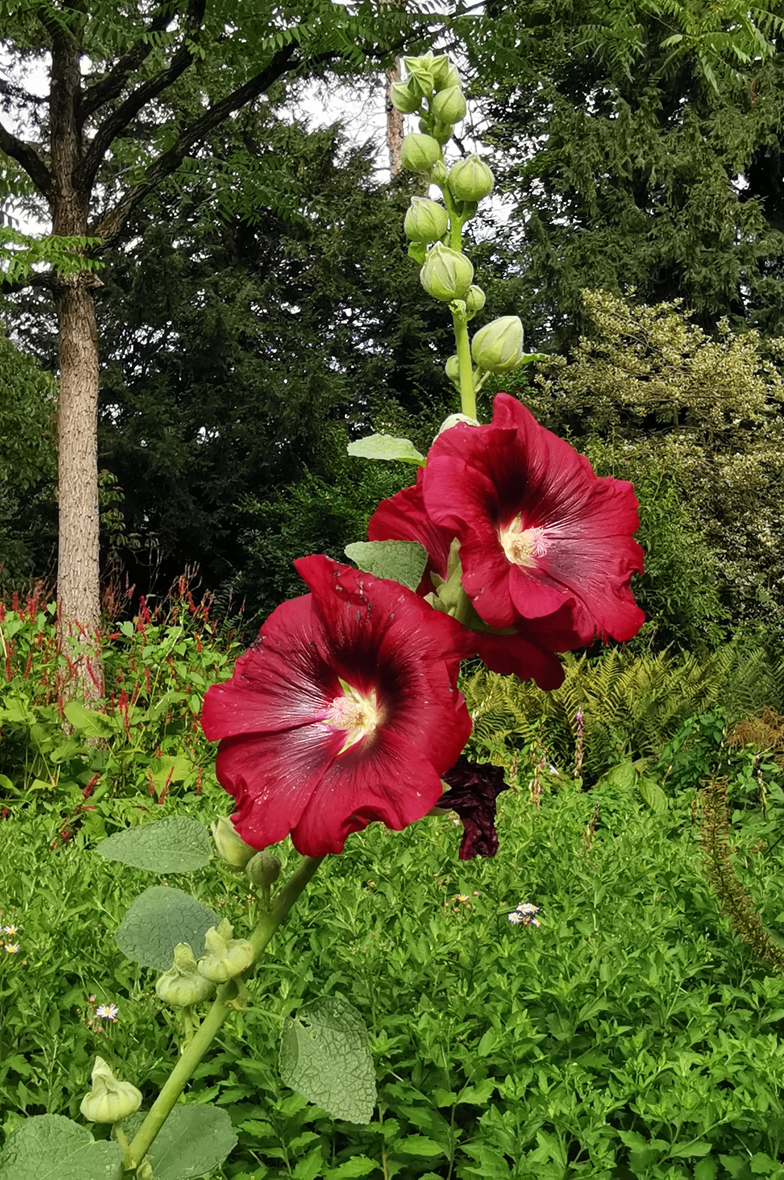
[{"x": 632, "y": 1033}]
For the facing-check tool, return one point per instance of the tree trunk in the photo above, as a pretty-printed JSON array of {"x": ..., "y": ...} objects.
[
  {"x": 78, "y": 584},
  {"x": 394, "y": 123}
]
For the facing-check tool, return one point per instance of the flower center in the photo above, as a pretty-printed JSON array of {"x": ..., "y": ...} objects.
[
  {"x": 522, "y": 546},
  {"x": 358, "y": 715}
]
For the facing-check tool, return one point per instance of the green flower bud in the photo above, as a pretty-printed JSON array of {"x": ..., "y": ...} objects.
[
  {"x": 263, "y": 870},
  {"x": 454, "y": 420},
  {"x": 442, "y": 132},
  {"x": 182, "y": 985},
  {"x": 420, "y": 82},
  {"x": 498, "y": 348},
  {"x": 452, "y": 368},
  {"x": 470, "y": 179},
  {"x": 449, "y": 106},
  {"x": 475, "y": 299},
  {"x": 109, "y": 1100},
  {"x": 419, "y": 153},
  {"x": 446, "y": 79},
  {"x": 424, "y": 125},
  {"x": 426, "y": 220},
  {"x": 446, "y": 274},
  {"x": 440, "y": 68},
  {"x": 403, "y": 98},
  {"x": 226, "y": 956},
  {"x": 439, "y": 174},
  {"x": 230, "y": 847}
]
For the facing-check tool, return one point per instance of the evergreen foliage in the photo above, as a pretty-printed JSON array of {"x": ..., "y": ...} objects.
[{"x": 632, "y": 158}]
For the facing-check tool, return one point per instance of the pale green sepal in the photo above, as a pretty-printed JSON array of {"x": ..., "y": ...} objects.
[
  {"x": 324, "y": 1055},
  {"x": 230, "y": 846},
  {"x": 52, "y": 1147},
  {"x": 399, "y": 561},
  {"x": 226, "y": 956},
  {"x": 384, "y": 446},
  {"x": 455, "y": 420}
]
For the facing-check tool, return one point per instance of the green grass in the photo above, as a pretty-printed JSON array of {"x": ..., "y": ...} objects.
[{"x": 631, "y": 1035}]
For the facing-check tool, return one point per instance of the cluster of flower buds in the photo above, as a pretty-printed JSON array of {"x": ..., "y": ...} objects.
[{"x": 432, "y": 90}]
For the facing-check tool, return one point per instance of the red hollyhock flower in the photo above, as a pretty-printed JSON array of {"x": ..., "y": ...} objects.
[
  {"x": 538, "y": 530},
  {"x": 403, "y": 518},
  {"x": 474, "y": 788},
  {"x": 344, "y": 711}
]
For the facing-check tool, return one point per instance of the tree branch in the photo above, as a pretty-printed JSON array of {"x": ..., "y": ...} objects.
[
  {"x": 36, "y": 279},
  {"x": 29, "y": 160},
  {"x": 144, "y": 94},
  {"x": 110, "y": 225},
  {"x": 111, "y": 85}
]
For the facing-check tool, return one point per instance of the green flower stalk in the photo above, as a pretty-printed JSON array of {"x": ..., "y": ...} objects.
[
  {"x": 226, "y": 956},
  {"x": 109, "y": 1100},
  {"x": 183, "y": 984}
]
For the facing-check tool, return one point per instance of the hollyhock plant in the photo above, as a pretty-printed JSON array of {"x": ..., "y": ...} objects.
[
  {"x": 516, "y": 651},
  {"x": 538, "y": 530},
  {"x": 344, "y": 711}
]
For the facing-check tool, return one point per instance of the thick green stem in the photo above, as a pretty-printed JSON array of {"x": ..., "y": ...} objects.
[
  {"x": 465, "y": 367},
  {"x": 218, "y": 1012}
]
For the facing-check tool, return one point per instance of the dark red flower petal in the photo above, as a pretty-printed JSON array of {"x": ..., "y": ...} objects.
[
  {"x": 296, "y": 754},
  {"x": 473, "y": 790},
  {"x": 538, "y": 529}
]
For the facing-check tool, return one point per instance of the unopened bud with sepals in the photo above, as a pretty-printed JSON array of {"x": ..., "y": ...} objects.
[
  {"x": 226, "y": 955},
  {"x": 109, "y": 1100},
  {"x": 470, "y": 179},
  {"x": 404, "y": 99},
  {"x": 446, "y": 79},
  {"x": 452, "y": 368},
  {"x": 449, "y": 106},
  {"x": 426, "y": 220},
  {"x": 183, "y": 985},
  {"x": 475, "y": 299},
  {"x": 419, "y": 153},
  {"x": 498, "y": 347},
  {"x": 264, "y": 870},
  {"x": 230, "y": 847},
  {"x": 446, "y": 274}
]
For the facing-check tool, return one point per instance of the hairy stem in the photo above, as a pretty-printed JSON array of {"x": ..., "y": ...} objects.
[
  {"x": 465, "y": 367},
  {"x": 214, "y": 1019}
]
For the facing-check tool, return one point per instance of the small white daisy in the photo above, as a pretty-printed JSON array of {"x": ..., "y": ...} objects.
[
  {"x": 12, "y": 948},
  {"x": 527, "y": 907},
  {"x": 515, "y": 918},
  {"x": 107, "y": 1011},
  {"x": 10, "y": 929},
  {"x": 463, "y": 897}
]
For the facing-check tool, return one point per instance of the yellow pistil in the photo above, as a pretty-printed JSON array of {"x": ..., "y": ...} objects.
[
  {"x": 522, "y": 546},
  {"x": 358, "y": 715}
]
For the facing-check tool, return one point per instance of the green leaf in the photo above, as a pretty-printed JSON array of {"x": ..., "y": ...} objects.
[
  {"x": 324, "y": 1055},
  {"x": 419, "y": 1145},
  {"x": 159, "y": 919},
  {"x": 170, "y": 769},
  {"x": 384, "y": 446},
  {"x": 623, "y": 776},
  {"x": 653, "y": 795},
  {"x": 193, "y": 1141},
  {"x": 172, "y": 845},
  {"x": 706, "y": 1169},
  {"x": 50, "y": 1147},
  {"x": 358, "y": 1165},
  {"x": 686, "y": 1150},
  {"x": 401, "y": 561},
  {"x": 89, "y": 722}
]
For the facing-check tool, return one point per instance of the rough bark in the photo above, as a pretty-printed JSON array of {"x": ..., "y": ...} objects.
[
  {"x": 78, "y": 584},
  {"x": 394, "y": 123}
]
